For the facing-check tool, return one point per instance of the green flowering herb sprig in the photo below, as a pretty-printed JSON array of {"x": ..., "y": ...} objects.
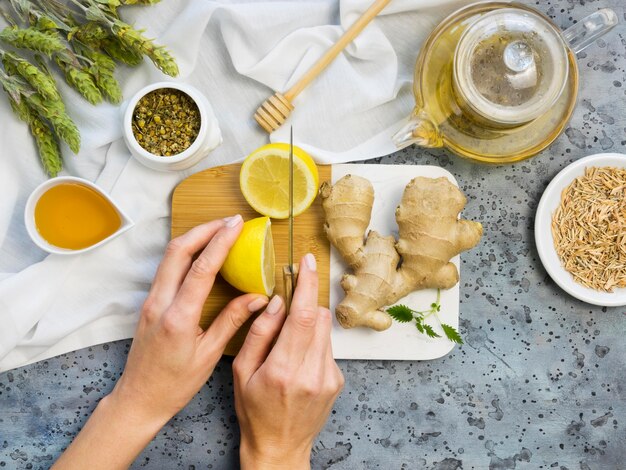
[
  {"x": 85, "y": 40},
  {"x": 404, "y": 314},
  {"x": 41, "y": 82},
  {"x": 47, "y": 143},
  {"x": 46, "y": 42},
  {"x": 128, "y": 36}
]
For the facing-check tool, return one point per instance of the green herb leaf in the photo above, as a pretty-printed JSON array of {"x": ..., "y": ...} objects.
[
  {"x": 404, "y": 314},
  {"x": 430, "y": 332},
  {"x": 452, "y": 334},
  {"x": 400, "y": 313}
]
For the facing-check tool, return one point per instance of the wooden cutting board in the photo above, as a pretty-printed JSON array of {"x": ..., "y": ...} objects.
[{"x": 214, "y": 194}]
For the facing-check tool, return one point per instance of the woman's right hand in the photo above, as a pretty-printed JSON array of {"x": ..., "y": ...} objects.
[{"x": 285, "y": 391}]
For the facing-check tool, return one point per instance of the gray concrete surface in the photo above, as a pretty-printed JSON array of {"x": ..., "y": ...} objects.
[{"x": 539, "y": 384}]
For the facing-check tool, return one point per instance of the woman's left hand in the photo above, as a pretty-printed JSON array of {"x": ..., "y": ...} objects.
[{"x": 171, "y": 357}]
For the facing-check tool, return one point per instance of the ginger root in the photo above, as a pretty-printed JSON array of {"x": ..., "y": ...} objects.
[{"x": 384, "y": 270}]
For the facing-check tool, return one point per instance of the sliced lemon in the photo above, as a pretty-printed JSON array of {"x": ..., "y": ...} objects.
[
  {"x": 264, "y": 180},
  {"x": 249, "y": 265}
]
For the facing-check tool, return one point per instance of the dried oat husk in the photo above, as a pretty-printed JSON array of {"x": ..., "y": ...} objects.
[{"x": 589, "y": 228}]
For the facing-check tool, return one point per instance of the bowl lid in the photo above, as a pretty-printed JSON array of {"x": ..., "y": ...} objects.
[{"x": 511, "y": 65}]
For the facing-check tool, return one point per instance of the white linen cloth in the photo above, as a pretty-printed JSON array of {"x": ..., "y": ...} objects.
[{"x": 237, "y": 53}]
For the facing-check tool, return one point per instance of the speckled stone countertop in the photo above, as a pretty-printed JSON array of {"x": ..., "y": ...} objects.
[{"x": 539, "y": 383}]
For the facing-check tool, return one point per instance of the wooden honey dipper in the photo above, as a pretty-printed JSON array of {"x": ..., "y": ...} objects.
[{"x": 276, "y": 109}]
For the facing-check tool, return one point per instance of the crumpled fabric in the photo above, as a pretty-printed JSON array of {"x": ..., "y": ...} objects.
[{"x": 237, "y": 54}]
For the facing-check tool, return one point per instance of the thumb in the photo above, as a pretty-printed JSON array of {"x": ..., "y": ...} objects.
[{"x": 229, "y": 321}]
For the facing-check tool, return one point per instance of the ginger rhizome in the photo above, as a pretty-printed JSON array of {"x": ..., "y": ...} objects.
[{"x": 385, "y": 270}]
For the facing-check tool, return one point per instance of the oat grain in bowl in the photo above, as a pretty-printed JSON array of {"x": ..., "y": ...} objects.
[
  {"x": 589, "y": 228},
  {"x": 166, "y": 122}
]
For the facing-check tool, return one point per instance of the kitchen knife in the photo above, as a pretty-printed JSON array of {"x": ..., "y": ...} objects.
[{"x": 289, "y": 271}]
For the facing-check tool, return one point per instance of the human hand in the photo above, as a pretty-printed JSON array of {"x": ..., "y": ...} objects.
[
  {"x": 171, "y": 357},
  {"x": 285, "y": 392}
]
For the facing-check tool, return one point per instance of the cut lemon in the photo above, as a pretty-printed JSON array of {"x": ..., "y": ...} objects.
[
  {"x": 249, "y": 265},
  {"x": 264, "y": 180}
]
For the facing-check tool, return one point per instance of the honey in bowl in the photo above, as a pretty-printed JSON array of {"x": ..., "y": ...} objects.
[{"x": 74, "y": 216}]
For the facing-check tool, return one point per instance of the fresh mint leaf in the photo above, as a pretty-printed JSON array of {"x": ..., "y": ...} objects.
[
  {"x": 400, "y": 313},
  {"x": 452, "y": 334},
  {"x": 430, "y": 332},
  {"x": 404, "y": 314}
]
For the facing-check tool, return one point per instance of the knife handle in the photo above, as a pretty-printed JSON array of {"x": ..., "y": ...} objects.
[{"x": 290, "y": 279}]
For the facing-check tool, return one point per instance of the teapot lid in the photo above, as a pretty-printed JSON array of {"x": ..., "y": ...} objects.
[{"x": 511, "y": 65}]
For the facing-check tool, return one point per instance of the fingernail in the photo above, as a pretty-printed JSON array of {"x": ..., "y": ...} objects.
[
  {"x": 274, "y": 306},
  {"x": 310, "y": 262},
  {"x": 233, "y": 221},
  {"x": 257, "y": 304}
]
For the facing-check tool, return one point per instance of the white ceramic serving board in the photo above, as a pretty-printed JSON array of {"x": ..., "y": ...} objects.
[{"x": 402, "y": 341}]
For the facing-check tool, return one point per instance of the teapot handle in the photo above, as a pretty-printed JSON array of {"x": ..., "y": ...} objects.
[
  {"x": 590, "y": 28},
  {"x": 420, "y": 130}
]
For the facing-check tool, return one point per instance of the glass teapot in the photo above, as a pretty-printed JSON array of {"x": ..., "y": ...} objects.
[{"x": 497, "y": 82}]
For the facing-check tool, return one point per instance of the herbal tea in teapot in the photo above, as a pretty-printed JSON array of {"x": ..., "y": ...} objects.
[{"x": 497, "y": 82}]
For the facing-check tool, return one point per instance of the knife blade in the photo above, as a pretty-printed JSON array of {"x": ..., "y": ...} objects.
[{"x": 289, "y": 271}]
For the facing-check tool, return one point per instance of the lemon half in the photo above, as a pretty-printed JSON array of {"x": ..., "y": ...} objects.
[
  {"x": 250, "y": 263},
  {"x": 264, "y": 180}
]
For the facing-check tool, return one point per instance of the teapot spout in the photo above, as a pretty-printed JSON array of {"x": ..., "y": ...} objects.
[{"x": 420, "y": 130}]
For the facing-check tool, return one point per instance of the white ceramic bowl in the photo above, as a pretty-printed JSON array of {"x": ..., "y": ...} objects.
[
  {"x": 543, "y": 231},
  {"x": 208, "y": 137},
  {"x": 29, "y": 216}
]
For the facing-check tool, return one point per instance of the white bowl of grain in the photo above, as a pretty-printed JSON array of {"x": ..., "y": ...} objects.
[{"x": 569, "y": 224}]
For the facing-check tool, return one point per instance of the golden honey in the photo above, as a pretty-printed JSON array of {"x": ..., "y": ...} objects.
[{"x": 75, "y": 216}]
